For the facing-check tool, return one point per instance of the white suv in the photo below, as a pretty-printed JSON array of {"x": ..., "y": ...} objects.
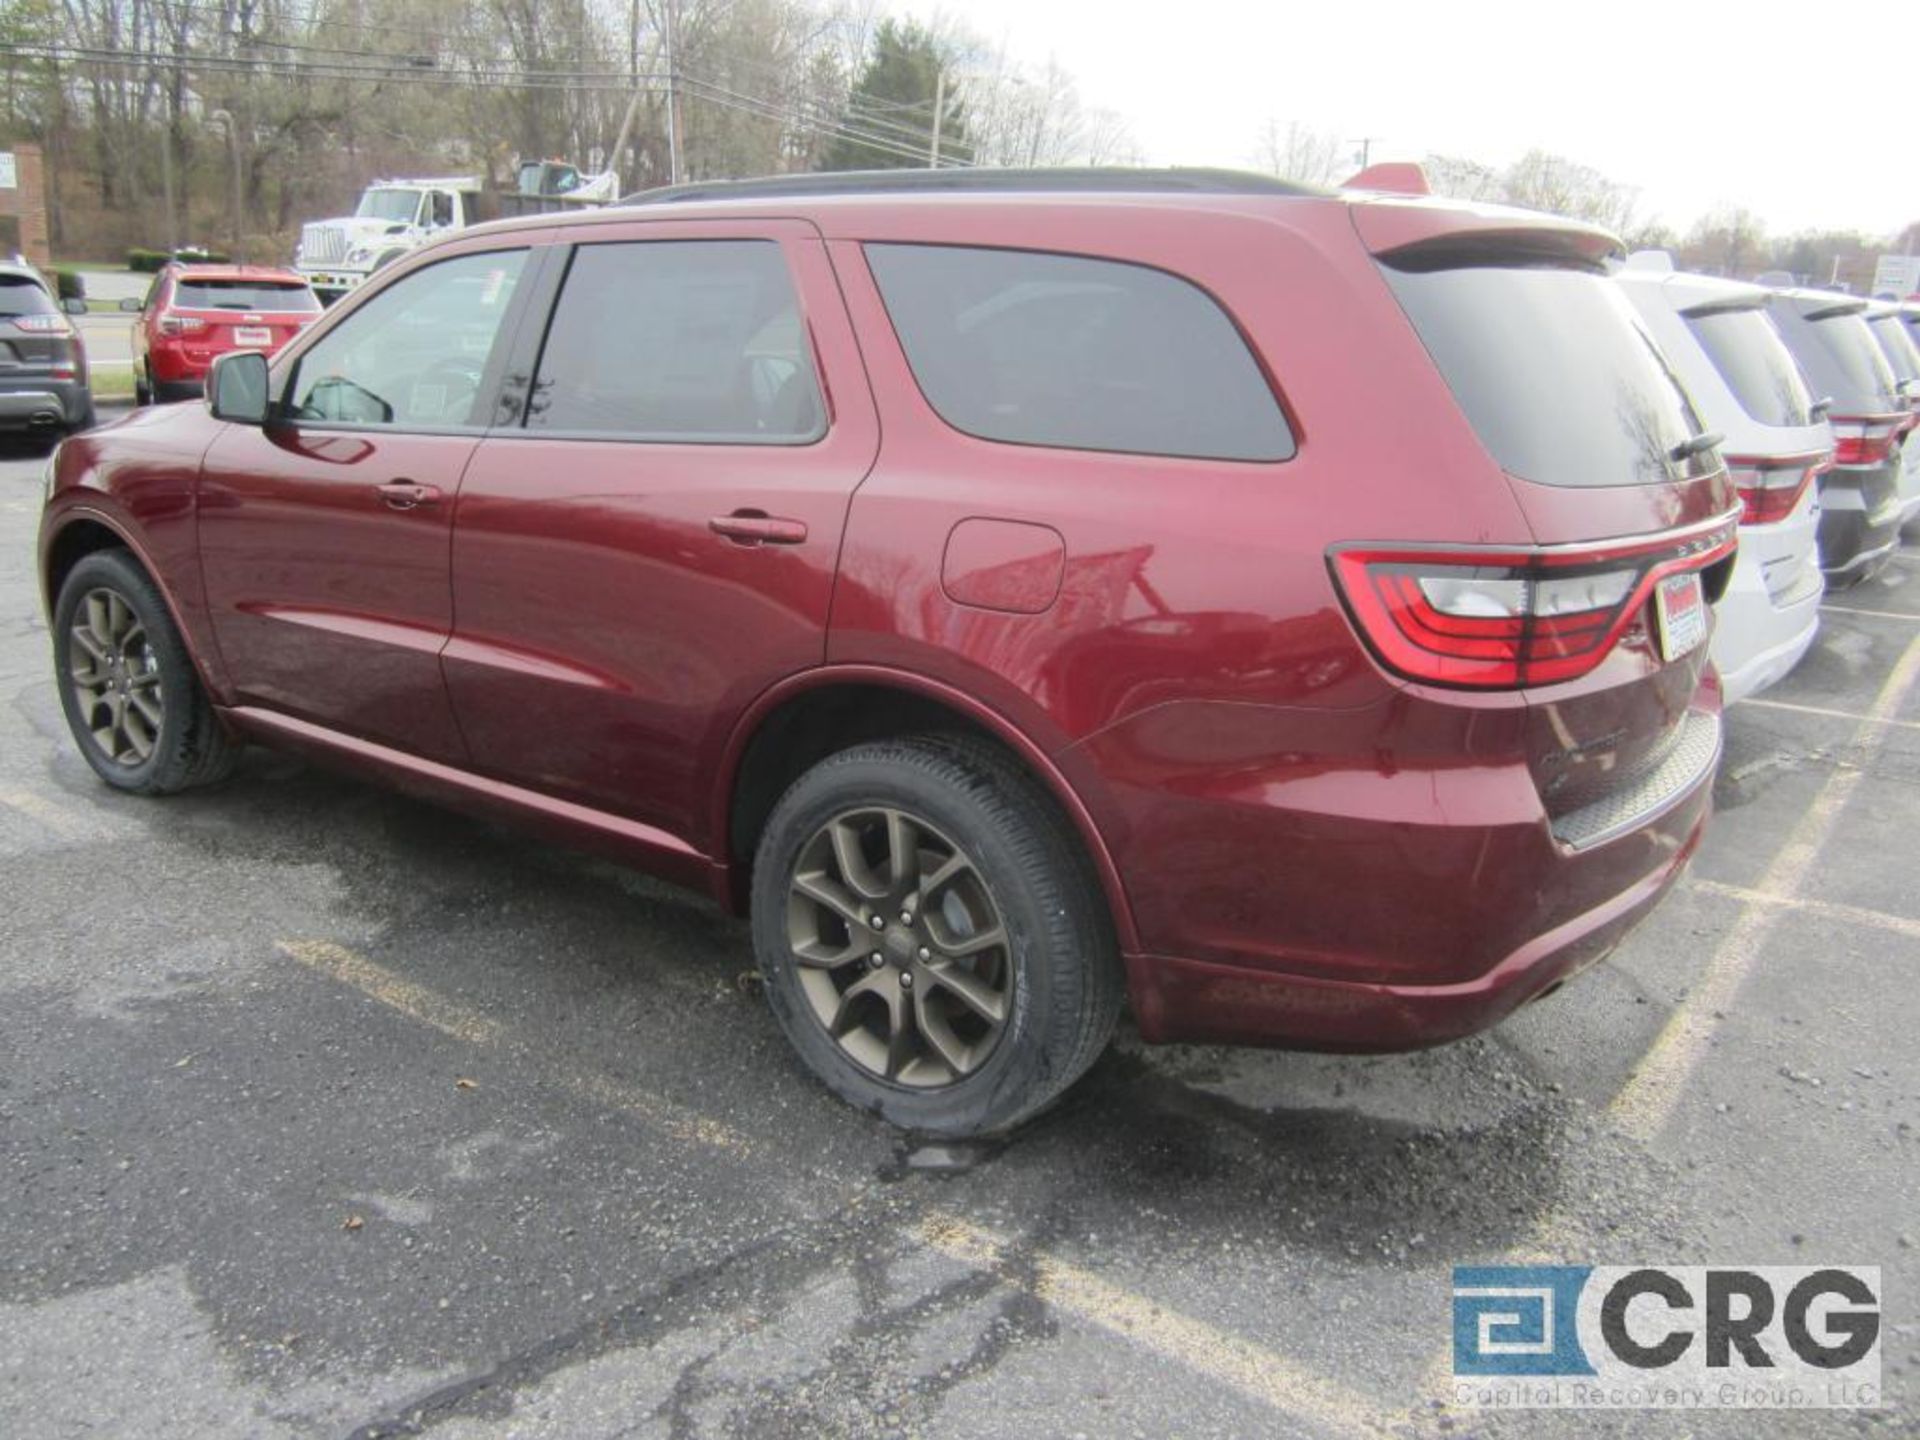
[
  {"x": 1744, "y": 383},
  {"x": 1890, "y": 328}
]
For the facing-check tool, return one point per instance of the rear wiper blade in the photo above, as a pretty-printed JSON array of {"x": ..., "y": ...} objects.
[
  {"x": 1687, "y": 449},
  {"x": 1818, "y": 410}
]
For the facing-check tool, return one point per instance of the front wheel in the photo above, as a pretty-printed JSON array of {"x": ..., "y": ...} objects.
[
  {"x": 933, "y": 942},
  {"x": 131, "y": 695}
]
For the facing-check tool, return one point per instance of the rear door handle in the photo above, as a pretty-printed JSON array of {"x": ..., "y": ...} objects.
[
  {"x": 752, "y": 527},
  {"x": 405, "y": 494}
]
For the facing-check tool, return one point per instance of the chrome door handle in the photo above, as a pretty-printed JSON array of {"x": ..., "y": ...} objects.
[{"x": 405, "y": 494}]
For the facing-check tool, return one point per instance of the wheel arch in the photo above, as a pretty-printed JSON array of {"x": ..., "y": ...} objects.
[{"x": 808, "y": 717}]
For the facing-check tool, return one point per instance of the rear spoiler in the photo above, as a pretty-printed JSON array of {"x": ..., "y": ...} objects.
[{"x": 1435, "y": 234}]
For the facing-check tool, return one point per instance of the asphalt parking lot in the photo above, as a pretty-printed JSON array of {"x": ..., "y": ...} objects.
[{"x": 324, "y": 1112}]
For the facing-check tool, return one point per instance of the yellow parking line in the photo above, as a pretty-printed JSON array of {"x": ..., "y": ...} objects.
[
  {"x": 34, "y": 807},
  {"x": 1646, "y": 1102},
  {"x": 377, "y": 982},
  {"x": 1826, "y": 909},
  {"x": 1251, "y": 1369},
  {"x": 1219, "y": 1355},
  {"x": 1871, "y": 614},
  {"x": 1831, "y": 714}
]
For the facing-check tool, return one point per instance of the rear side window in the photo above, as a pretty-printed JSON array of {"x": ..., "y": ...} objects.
[
  {"x": 1751, "y": 357},
  {"x": 244, "y": 295},
  {"x": 1561, "y": 381},
  {"x": 1082, "y": 354},
  {"x": 1898, "y": 346},
  {"x": 690, "y": 340},
  {"x": 22, "y": 296}
]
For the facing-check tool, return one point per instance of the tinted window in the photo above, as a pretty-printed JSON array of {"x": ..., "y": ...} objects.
[
  {"x": 679, "y": 340},
  {"x": 1040, "y": 349},
  {"x": 20, "y": 295},
  {"x": 1897, "y": 346},
  {"x": 1754, "y": 361},
  {"x": 1560, "y": 379},
  {"x": 1840, "y": 359},
  {"x": 415, "y": 353},
  {"x": 243, "y": 295}
]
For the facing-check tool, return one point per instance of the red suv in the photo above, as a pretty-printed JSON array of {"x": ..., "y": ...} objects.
[
  {"x": 1285, "y": 610},
  {"x": 192, "y": 314}
]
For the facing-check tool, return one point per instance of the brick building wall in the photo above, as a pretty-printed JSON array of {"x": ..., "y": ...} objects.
[{"x": 26, "y": 200}]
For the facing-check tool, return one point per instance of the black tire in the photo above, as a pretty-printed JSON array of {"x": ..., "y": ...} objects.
[
  {"x": 142, "y": 389},
  {"x": 189, "y": 746},
  {"x": 1060, "y": 964},
  {"x": 88, "y": 418}
]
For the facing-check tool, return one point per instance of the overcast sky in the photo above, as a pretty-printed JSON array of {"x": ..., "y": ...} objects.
[{"x": 1806, "y": 115}]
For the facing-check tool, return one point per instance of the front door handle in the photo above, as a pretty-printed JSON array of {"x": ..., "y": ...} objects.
[
  {"x": 755, "y": 527},
  {"x": 405, "y": 494}
]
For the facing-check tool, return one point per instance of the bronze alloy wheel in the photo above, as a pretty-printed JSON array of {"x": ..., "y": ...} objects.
[
  {"x": 114, "y": 675},
  {"x": 900, "y": 949}
]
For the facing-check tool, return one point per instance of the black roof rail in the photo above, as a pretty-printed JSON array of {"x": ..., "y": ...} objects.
[{"x": 974, "y": 180}]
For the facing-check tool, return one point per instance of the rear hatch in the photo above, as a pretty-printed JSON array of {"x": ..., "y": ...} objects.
[
  {"x": 1844, "y": 365},
  {"x": 37, "y": 342},
  {"x": 1631, "y": 510},
  {"x": 215, "y": 315}
]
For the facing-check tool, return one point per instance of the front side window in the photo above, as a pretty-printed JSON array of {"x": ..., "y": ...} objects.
[
  {"x": 1034, "y": 348},
  {"x": 689, "y": 340},
  {"x": 413, "y": 355}
]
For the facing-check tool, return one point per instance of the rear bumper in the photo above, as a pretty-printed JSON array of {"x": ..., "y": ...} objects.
[
  {"x": 1860, "y": 519},
  {"x": 1405, "y": 907},
  {"x": 1758, "y": 639},
  {"x": 27, "y": 404}
]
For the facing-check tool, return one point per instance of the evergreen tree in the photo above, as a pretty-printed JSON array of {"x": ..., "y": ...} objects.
[{"x": 893, "y": 103}]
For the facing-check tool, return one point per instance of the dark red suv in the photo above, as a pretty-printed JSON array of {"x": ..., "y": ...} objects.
[{"x": 1285, "y": 610}]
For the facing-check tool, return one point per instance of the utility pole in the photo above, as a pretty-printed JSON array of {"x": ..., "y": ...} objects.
[
  {"x": 1366, "y": 149},
  {"x": 673, "y": 97},
  {"x": 225, "y": 117},
  {"x": 939, "y": 114}
]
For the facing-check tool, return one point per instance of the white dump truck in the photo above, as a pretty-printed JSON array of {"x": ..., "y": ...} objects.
[{"x": 396, "y": 216}]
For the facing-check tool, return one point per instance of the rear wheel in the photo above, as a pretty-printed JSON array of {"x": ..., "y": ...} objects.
[
  {"x": 142, "y": 388},
  {"x": 933, "y": 942},
  {"x": 132, "y": 698}
]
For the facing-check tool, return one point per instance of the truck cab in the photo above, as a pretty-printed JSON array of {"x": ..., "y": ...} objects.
[{"x": 392, "y": 218}]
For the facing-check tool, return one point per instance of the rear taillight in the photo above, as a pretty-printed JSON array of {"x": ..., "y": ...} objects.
[
  {"x": 1866, "y": 440},
  {"x": 1509, "y": 618},
  {"x": 1770, "y": 488},
  {"x": 181, "y": 324},
  {"x": 43, "y": 324}
]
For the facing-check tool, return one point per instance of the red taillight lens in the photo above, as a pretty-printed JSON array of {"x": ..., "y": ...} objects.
[
  {"x": 1867, "y": 441},
  {"x": 181, "y": 324},
  {"x": 1503, "y": 620},
  {"x": 43, "y": 324},
  {"x": 1771, "y": 488}
]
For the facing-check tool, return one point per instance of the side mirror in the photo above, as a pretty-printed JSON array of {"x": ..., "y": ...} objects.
[
  {"x": 237, "y": 387},
  {"x": 131, "y": 305},
  {"x": 74, "y": 306}
]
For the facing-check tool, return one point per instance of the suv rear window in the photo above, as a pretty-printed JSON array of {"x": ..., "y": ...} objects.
[
  {"x": 1898, "y": 346},
  {"x": 1560, "y": 379},
  {"x": 244, "y": 295},
  {"x": 1751, "y": 357},
  {"x": 20, "y": 295},
  {"x": 1033, "y": 348},
  {"x": 1843, "y": 363}
]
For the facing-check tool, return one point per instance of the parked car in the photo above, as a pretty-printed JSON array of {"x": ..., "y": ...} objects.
[
  {"x": 1014, "y": 590},
  {"x": 1860, "y": 506},
  {"x": 43, "y": 361},
  {"x": 1903, "y": 358},
  {"x": 1744, "y": 383},
  {"x": 194, "y": 313}
]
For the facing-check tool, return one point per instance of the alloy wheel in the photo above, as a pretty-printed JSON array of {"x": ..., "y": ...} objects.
[
  {"x": 115, "y": 677},
  {"x": 899, "y": 947}
]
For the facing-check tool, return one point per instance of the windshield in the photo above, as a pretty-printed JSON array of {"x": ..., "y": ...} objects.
[
  {"x": 398, "y": 206},
  {"x": 20, "y": 295},
  {"x": 244, "y": 295},
  {"x": 1561, "y": 381},
  {"x": 1754, "y": 361}
]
